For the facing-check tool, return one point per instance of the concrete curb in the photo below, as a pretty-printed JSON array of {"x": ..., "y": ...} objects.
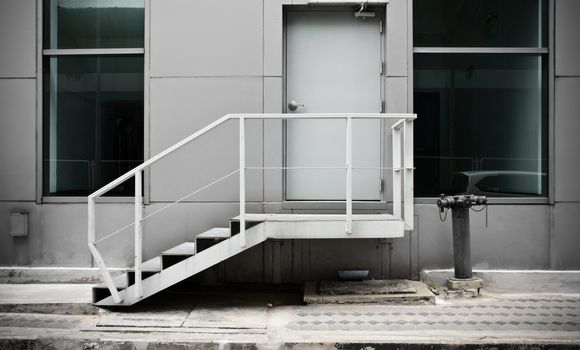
[
  {"x": 21, "y": 275},
  {"x": 516, "y": 281},
  {"x": 63, "y": 343}
]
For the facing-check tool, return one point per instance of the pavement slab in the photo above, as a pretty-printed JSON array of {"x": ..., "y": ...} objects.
[
  {"x": 492, "y": 321},
  {"x": 144, "y": 319},
  {"x": 240, "y": 317}
]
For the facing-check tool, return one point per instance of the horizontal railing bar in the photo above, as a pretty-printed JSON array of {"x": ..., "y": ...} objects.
[
  {"x": 226, "y": 117},
  {"x": 293, "y": 167},
  {"x": 327, "y": 116},
  {"x": 317, "y": 167}
]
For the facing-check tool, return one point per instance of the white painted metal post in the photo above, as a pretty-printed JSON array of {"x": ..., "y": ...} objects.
[
  {"x": 408, "y": 174},
  {"x": 96, "y": 255},
  {"x": 91, "y": 221},
  {"x": 396, "y": 134},
  {"x": 138, "y": 234},
  {"x": 242, "y": 182},
  {"x": 348, "y": 175}
]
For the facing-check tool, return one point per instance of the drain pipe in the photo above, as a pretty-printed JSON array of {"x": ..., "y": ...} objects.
[{"x": 459, "y": 206}]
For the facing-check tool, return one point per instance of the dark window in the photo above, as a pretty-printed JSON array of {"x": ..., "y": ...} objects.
[
  {"x": 93, "y": 104},
  {"x": 483, "y": 23},
  {"x": 84, "y": 24},
  {"x": 482, "y": 117}
]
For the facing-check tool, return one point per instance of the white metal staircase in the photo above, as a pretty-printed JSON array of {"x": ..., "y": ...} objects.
[{"x": 147, "y": 278}]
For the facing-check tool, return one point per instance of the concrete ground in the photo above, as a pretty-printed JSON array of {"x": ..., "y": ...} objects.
[{"x": 48, "y": 316}]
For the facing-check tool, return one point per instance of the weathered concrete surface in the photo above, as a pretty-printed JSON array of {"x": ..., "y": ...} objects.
[
  {"x": 412, "y": 292},
  {"x": 464, "y": 283},
  {"x": 493, "y": 321},
  {"x": 365, "y": 287},
  {"x": 47, "y": 298},
  {"x": 45, "y": 293},
  {"x": 20, "y": 275},
  {"x": 516, "y": 281}
]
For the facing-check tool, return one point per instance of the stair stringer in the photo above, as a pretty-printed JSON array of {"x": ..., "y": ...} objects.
[{"x": 190, "y": 266}]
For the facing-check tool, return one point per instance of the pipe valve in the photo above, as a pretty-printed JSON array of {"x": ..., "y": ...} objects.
[{"x": 462, "y": 201}]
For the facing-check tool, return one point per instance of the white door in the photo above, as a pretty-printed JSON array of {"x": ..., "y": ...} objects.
[{"x": 333, "y": 65}]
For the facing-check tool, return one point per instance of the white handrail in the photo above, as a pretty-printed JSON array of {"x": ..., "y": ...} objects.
[{"x": 402, "y": 139}]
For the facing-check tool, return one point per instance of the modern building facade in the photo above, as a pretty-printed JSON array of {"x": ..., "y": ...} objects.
[{"x": 91, "y": 88}]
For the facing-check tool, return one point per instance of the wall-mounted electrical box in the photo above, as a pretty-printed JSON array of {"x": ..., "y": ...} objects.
[{"x": 19, "y": 224}]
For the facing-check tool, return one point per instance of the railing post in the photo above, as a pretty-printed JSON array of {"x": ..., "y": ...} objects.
[
  {"x": 91, "y": 219},
  {"x": 96, "y": 255},
  {"x": 242, "y": 182},
  {"x": 396, "y": 134},
  {"x": 138, "y": 234},
  {"x": 349, "y": 175},
  {"x": 408, "y": 174}
]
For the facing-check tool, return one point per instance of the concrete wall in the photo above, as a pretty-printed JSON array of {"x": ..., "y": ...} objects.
[
  {"x": 566, "y": 231},
  {"x": 207, "y": 59}
]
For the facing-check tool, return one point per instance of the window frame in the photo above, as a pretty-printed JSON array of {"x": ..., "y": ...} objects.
[
  {"x": 41, "y": 54},
  {"x": 540, "y": 51}
]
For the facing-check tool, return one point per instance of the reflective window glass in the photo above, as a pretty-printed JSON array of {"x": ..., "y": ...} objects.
[
  {"x": 84, "y": 24},
  {"x": 93, "y": 122},
  {"x": 482, "y": 124},
  {"x": 483, "y": 23}
]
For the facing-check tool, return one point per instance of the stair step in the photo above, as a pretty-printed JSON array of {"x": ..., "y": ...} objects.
[
  {"x": 235, "y": 224},
  {"x": 148, "y": 269},
  {"x": 211, "y": 237},
  {"x": 178, "y": 253},
  {"x": 216, "y": 232},
  {"x": 189, "y": 267}
]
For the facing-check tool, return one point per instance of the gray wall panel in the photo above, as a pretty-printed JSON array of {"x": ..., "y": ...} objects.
[
  {"x": 206, "y": 38},
  {"x": 566, "y": 237},
  {"x": 273, "y": 136},
  {"x": 397, "y": 95},
  {"x": 17, "y": 139},
  {"x": 182, "y": 106},
  {"x": 15, "y": 251},
  {"x": 516, "y": 237},
  {"x": 273, "y": 38},
  {"x": 567, "y": 142},
  {"x": 17, "y": 38},
  {"x": 567, "y": 45},
  {"x": 397, "y": 41}
]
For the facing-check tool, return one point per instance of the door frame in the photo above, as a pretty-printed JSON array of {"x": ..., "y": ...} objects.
[{"x": 380, "y": 11}]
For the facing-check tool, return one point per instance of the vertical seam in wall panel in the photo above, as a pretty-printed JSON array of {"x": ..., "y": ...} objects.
[
  {"x": 38, "y": 101},
  {"x": 147, "y": 101},
  {"x": 263, "y": 104},
  {"x": 551, "y": 103},
  {"x": 410, "y": 72}
]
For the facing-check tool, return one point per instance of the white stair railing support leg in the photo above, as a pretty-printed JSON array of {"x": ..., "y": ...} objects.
[
  {"x": 408, "y": 173},
  {"x": 138, "y": 234},
  {"x": 348, "y": 175},
  {"x": 396, "y": 134},
  {"x": 96, "y": 255},
  {"x": 242, "y": 182}
]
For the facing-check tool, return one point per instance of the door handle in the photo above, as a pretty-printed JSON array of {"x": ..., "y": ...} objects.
[{"x": 293, "y": 105}]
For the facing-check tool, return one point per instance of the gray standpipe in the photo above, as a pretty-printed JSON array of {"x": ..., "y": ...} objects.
[{"x": 459, "y": 206}]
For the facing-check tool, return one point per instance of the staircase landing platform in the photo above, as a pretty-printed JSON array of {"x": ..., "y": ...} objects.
[{"x": 328, "y": 226}]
